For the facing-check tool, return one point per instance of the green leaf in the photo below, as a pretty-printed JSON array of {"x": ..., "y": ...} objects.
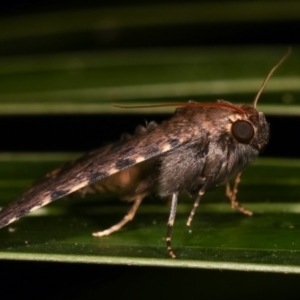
[{"x": 219, "y": 237}]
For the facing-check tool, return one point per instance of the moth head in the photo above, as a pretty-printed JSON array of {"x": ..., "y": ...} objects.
[{"x": 251, "y": 128}]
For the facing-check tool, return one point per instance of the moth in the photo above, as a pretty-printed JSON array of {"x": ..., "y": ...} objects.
[{"x": 200, "y": 147}]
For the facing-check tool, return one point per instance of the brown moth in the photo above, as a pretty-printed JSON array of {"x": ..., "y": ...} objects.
[{"x": 200, "y": 147}]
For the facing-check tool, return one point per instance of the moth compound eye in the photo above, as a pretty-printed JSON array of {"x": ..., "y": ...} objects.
[{"x": 242, "y": 131}]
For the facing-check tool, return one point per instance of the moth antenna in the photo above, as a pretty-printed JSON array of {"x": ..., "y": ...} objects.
[
  {"x": 188, "y": 104},
  {"x": 270, "y": 74}
]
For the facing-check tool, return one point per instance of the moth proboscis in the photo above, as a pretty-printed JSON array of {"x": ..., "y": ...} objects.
[{"x": 200, "y": 147}]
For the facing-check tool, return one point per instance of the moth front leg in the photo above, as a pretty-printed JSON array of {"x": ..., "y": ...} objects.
[
  {"x": 231, "y": 194},
  {"x": 128, "y": 217}
]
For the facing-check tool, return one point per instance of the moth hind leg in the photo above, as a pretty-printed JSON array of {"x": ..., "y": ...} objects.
[
  {"x": 231, "y": 194},
  {"x": 128, "y": 217}
]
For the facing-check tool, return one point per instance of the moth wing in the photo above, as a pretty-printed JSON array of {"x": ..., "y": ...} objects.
[{"x": 95, "y": 166}]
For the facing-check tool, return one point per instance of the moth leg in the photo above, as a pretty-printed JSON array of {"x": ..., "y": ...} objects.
[
  {"x": 128, "y": 217},
  {"x": 171, "y": 223},
  {"x": 196, "y": 204},
  {"x": 231, "y": 194}
]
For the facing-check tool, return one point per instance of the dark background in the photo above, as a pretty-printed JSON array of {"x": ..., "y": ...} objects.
[
  {"x": 60, "y": 133},
  {"x": 48, "y": 280}
]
